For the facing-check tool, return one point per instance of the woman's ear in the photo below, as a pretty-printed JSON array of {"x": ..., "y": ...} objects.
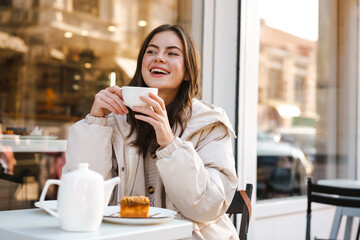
[{"x": 186, "y": 77}]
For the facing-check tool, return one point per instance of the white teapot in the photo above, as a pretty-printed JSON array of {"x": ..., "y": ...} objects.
[{"x": 82, "y": 199}]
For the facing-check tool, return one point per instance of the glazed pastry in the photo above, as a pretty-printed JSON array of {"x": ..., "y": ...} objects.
[{"x": 134, "y": 207}]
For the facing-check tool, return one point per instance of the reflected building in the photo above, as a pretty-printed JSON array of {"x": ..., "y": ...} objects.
[
  {"x": 287, "y": 80},
  {"x": 287, "y": 113}
]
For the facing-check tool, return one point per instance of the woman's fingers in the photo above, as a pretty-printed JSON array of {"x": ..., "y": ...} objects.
[
  {"x": 106, "y": 105},
  {"x": 115, "y": 101},
  {"x": 103, "y": 101},
  {"x": 159, "y": 100},
  {"x": 115, "y": 89},
  {"x": 119, "y": 97},
  {"x": 156, "y": 103},
  {"x": 108, "y": 100},
  {"x": 154, "y": 110},
  {"x": 156, "y": 116},
  {"x": 147, "y": 119}
]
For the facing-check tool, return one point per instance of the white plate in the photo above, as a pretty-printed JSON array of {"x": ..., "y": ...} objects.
[
  {"x": 162, "y": 216},
  {"x": 39, "y": 137},
  {"x": 52, "y": 204}
]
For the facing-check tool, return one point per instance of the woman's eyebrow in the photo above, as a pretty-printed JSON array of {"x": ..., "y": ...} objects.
[{"x": 169, "y": 47}]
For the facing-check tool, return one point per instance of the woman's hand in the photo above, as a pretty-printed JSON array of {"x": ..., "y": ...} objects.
[
  {"x": 108, "y": 100},
  {"x": 156, "y": 115}
]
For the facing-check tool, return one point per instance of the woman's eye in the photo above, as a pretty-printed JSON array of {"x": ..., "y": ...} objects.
[
  {"x": 173, "y": 54},
  {"x": 150, "y": 51}
]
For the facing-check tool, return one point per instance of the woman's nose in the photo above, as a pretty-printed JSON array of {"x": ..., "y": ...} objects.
[{"x": 160, "y": 58}]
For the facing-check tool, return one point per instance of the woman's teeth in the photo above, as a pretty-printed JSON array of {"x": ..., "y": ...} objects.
[{"x": 158, "y": 71}]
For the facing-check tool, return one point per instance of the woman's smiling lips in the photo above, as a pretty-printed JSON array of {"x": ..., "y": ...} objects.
[{"x": 158, "y": 71}]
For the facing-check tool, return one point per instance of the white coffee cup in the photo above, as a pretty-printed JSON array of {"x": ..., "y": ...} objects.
[{"x": 131, "y": 95}]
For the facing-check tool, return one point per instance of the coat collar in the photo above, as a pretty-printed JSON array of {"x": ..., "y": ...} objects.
[{"x": 204, "y": 115}]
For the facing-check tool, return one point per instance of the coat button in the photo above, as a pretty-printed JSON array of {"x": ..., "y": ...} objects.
[
  {"x": 153, "y": 155},
  {"x": 151, "y": 190},
  {"x": 122, "y": 169}
]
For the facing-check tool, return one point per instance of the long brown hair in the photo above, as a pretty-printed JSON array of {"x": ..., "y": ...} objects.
[{"x": 179, "y": 109}]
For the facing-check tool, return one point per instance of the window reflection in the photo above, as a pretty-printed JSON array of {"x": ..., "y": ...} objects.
[
  {"x": 54, "y": 57},
  {"x": 57, "y": 54},
  {"x": 286, "y": 109},
  {"x": 301, "y": 96},
  {"x": 87, "y": 6}
]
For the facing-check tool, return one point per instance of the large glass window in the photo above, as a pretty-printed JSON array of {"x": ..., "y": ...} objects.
[
  {"x": 307, "y": 95},
  {"x": 54, "y": 57}
]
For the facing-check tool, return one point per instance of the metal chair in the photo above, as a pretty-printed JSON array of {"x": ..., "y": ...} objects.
[
  {"x": 8, "y": 187},
  {"x": 241, "y": 204},
  {"x": 337, "y": 196}
]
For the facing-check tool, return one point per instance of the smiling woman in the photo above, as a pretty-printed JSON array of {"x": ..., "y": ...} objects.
[
  {"x": 157, "y": 145},
  {"x": 163, "y": 64},
  {"x": 169, "y": 48}
]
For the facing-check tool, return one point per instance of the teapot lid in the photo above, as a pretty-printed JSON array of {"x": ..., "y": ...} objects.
[
  {"x": 83, "y": 166},
  {"x": 84, "y": 171}
]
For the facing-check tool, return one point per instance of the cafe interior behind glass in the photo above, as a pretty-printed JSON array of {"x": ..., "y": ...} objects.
[{"x": 55, "y": 55}]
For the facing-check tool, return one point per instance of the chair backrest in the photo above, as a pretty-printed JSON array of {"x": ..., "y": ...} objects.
[
  {"x": 241, "y": 204},
  {"x": 337, "y": 196},
  {"x": 12, "y": 178},
  {"x": 8, "y": 187}
]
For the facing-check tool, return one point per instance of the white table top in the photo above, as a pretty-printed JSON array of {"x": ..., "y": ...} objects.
[
  {"x": 346, "y": 183},
  {"x": 34, "y": 145},
  {"x": 31, "y": 224}
]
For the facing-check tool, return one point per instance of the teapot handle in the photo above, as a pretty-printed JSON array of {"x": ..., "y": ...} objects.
[{"x": 43, "y": 194}]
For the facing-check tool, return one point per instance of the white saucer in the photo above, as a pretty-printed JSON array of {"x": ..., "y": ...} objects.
[
  {"x": 52, "y": 204},
  {"x": 111, "y": 214}
]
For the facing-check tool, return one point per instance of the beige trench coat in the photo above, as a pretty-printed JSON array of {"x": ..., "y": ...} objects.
[{"x": 196, "y": 169}]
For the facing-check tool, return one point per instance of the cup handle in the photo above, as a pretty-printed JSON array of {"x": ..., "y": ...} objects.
[
  {"x": 123, "y": 98},
  {"x": 43, "y": 194}
]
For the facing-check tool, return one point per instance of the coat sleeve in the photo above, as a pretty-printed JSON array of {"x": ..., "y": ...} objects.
[
  {"x": 200, "y": 180},
  {"x": 89, "y": 141}
]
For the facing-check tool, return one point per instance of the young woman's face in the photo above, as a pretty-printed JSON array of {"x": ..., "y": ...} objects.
[{"x": 163, "y": 64}]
